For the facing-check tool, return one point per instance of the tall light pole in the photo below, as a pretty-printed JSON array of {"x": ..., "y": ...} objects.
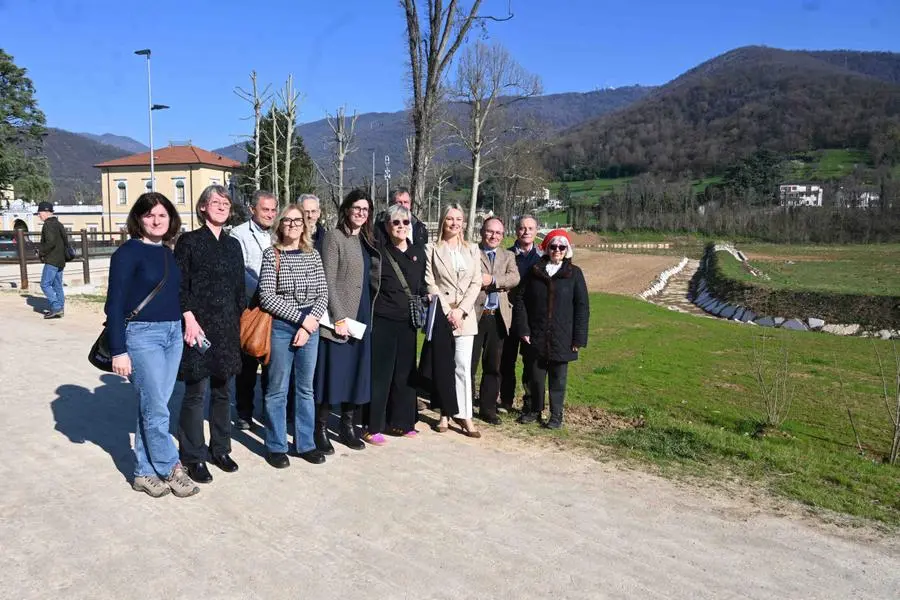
[
  {"x": 387, "y": 181},
  {"x": 150, "y": 108}
]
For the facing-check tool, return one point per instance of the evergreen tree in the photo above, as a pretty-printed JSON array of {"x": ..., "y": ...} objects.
[{"x": 22, "y": 127}]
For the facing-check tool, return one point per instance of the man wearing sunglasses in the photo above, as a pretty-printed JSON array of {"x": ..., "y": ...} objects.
[
  {"x": 418, "y": 233},
  {"x": 493, "y": 311}
]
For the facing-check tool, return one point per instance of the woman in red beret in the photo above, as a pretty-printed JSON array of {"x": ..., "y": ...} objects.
[{"x": 551, "y": 316}]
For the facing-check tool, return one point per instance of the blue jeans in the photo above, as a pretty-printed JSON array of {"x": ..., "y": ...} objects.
[
  {"x": 52, "y": 286},
  {"x": 155, "y": 352},
  {"x": 302, "y": 360}
]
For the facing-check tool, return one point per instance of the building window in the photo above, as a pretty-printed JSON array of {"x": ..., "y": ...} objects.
[
  {"x": 92, "y": 227},
  {"x": 121, "y": 226},
  {"x": 148, "y": 187},
  {"x": 121, "y": 192},
  {"x": 179, "y": 191},
  {"x": 215, "y": 181}
]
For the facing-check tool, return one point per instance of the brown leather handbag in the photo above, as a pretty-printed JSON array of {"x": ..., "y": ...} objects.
[{"x": 256, "y": 326}]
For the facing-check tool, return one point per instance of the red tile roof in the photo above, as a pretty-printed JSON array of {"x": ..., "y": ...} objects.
[{"x": 173, "y": 155}]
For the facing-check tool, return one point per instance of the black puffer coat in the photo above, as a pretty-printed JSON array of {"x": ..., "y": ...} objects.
[{"x": 554, "y": 312}]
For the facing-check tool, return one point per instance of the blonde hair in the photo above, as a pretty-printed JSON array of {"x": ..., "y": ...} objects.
[
  {"x": 278, "y": 234},
  {"x": 461, "y": 234}
]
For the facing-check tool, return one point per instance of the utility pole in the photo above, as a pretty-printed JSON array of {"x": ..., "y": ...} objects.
[{"x": 387, "y": 181}]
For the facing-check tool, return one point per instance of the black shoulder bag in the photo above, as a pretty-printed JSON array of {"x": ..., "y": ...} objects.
[
  {"x": 418, "y": 305},
  {"x": 99, "y": 356}
]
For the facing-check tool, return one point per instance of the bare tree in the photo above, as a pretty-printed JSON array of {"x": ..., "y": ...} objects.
[
  {"x": 275, "y": 151},
  {"x": 289, "y": 101},
  {"x": 891, "y": 389},
  {"x": 487, "y": 81},
  {"x": 431, "y": 49},
  {"x": 257, "y": 100},
  {"x": 343, "y": 140},
  {"x": 773, "y": 375}
]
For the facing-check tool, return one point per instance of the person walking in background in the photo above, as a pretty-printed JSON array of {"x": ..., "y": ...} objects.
[
  {"x": 293, "y": 290},
  {"x": 552, "y": 315},
  {"x": 417, "y": 233},
  {"x": 393, "y": 406},
  {"x": 353, "y": 272},
  {"x": 52, "y": 253},
  {"x": 212, "y": 299},
  {"x": 312, "y": 211},
  {"x": 494, "y": 314},
  {"x": 146, "y": 347},
  {"x": 527, "y": 255},
  {"x": 453, "y": 276},
  {"x": 254, "y": 236}
]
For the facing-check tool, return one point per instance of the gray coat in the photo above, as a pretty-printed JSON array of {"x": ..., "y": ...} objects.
[{"x": 343, "y": 266}]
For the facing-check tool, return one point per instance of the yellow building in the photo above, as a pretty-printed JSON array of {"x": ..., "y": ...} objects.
[{"x": 182, "y": 173}]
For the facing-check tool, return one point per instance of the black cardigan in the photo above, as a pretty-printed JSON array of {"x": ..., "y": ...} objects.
[
  {"x": 392, "y": 302},
  {"x": 554, "y": 312}
]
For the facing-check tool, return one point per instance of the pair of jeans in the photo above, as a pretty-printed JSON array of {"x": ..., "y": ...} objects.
[
  {"x": 191, "y": 439},
  {"x": 287, "y": 359},
  {"x": 52, "y": 286},
  {"x": 556, "y": 374},
  {"x": 155, "y": 353},
  {"x": 245, "y": 386},
  {"x": 487, "y": 349}
]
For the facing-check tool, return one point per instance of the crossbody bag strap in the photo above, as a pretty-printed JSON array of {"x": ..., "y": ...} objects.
[
  {"x": 153, "y": 293},
  {"x": 398, "y": 272}
]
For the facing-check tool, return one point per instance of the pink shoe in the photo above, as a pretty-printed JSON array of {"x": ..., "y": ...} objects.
[
  {"x": 376, "y": 439},
  {"x": 411, "y": 433}
]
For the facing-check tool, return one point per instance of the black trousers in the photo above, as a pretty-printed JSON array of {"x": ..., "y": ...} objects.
[
  {"x": 192, "y": 445},
  {"x": 511, "y": 347},
  {"x": 488, "y": 349},
  {"x": 245, "y": 385},
  {"x": 393, "y": 366},
  {"x": 554, "y": 372}
]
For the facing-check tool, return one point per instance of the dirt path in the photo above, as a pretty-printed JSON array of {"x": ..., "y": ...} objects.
[
  {"x": 620, "y": 273},
  {"x": 440, "y": 516}
]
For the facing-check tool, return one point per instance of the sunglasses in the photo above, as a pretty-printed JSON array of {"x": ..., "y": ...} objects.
[
  {"x": 292, "y": 222},
  {"x": 557, "y": 247},
  {"x": 397, "y": 222}
]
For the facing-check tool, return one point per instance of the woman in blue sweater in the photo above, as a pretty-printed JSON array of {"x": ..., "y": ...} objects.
[{"x": 147, "y": 346}]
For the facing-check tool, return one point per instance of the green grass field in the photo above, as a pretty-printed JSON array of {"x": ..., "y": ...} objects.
[
  {"x": 692, "y": 380},
  {"x": 852, "y": 269},
  {"x": 826, "y": 164}
]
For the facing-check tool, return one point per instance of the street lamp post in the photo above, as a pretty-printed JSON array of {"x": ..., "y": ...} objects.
[
  {"x": 387, "y": 180},
  {"x": 150, "y": 108}
]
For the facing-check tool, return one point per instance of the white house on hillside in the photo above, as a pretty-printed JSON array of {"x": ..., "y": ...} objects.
[{"x": 800, "y": 194}]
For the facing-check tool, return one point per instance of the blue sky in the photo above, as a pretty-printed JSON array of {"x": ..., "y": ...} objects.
[{"x": 80, "y": 53}]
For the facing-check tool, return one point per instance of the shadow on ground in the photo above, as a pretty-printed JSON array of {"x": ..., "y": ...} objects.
[{"x": 37, "y": 303}]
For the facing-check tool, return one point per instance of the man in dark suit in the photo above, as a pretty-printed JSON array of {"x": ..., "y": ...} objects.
[
  {"x": 493, "y": 309},
  {"x": 527, "y": 255},
  {"x": 417, "y": 231}
]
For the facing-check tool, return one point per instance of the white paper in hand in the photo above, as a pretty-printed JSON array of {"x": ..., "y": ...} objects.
[{"x": 356, "y": 329}]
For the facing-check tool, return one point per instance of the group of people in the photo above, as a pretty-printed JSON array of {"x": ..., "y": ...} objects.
[{"x": 347, "y": 305}]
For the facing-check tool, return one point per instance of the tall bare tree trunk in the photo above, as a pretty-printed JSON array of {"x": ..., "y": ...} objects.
[
  {"x": 289, "y": 100},
  {"x": 275, "y": 153},
  {"x": 343, "y": 137},
  {"x": 257, "y": 99}
]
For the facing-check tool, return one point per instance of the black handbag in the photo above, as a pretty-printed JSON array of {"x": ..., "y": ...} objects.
[
  {"x": 418, "y": 305},
  {"x": 100, "y": 356}
]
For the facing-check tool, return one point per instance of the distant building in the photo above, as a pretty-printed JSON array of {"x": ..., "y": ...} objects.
[
  {"x": 800, "y": 194},
  {"x": 23, "y": 215},
  {"x": 7, "y": 195},
  {"x": 182, "y": 173}
]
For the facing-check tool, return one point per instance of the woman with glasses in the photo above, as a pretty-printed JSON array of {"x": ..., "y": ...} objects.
[
  {"x": 212, "y": 299},
  {"x": 292, "y": 289},
  {"x": 393, "y": 406},
  {"x": 344, "y": 367},
  {"x": 551, "y": 316}
]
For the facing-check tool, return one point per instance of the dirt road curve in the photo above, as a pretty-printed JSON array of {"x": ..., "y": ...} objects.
[
  {"x": 620, "y": 273},
  {"x": 441, "y": 516}
]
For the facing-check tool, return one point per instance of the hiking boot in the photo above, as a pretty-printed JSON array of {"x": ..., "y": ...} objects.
[
  {"x": 151, "y": 485},
  {"x": 180, "y": 484}
]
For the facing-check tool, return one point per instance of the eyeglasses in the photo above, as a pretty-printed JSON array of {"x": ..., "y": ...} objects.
[
  {"x": 557, "y": 247},
  {"x": 397, "y": 222},
  {"x": 292, "y": 222},
  {"x": 360, "y": 210},
  {"x": 493, "y": 233},
  {"x": 219, "y": 204}
]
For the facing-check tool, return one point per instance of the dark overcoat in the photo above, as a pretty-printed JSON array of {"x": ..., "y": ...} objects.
[
  {"x": 553, "y": 311},
  {"x": 212, "y": 288}
]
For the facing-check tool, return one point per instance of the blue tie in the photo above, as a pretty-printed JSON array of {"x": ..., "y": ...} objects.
[{"x": 493, "y": 299}]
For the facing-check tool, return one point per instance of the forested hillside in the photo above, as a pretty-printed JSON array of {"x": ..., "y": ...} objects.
[{"x": 748, "y": 99}]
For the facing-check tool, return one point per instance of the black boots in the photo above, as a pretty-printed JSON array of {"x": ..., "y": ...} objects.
[
  {"x": 320, "y": 436},
  {"x": 349, "y": 435}
]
